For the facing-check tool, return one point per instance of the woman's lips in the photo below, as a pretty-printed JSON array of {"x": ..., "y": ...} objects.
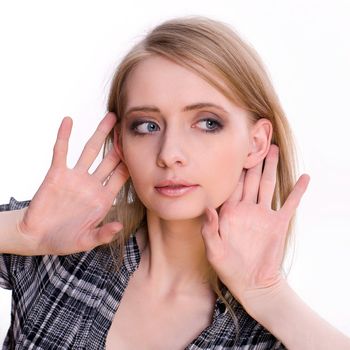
[{"x": 175, "y": 191}]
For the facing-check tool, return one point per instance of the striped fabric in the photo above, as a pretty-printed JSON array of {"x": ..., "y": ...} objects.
[{"x": 68, "y": 302}]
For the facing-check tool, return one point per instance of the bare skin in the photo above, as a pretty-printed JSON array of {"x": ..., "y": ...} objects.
[
  {"x": 63, "y": 214},
  {"x": 63, "y": 192},
  {"x": 187, "y": 128},
  {"x": 164, "y": 322},
  {"x": 184, "y": 235}
]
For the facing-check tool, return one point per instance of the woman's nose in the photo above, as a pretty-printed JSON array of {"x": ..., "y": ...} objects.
[{"x": 171, "y": 149}]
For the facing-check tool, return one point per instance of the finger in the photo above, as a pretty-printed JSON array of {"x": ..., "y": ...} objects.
[
  {"x": 94, "y": 144},
  {"x": 252, "y": 183},
  {"x": 210, "y": 233},
  {"x": 236, "y": 195},
  {"x": 117, "y": 180},
  {"x": 60, "y": 150},
  {"x": 109, "y": 162},
  {"x": 293, "y": 200},
  {"x": 116, "y": 145},
  {"x": 268, "y": 179},
  {"x": 104, "y": 234}
]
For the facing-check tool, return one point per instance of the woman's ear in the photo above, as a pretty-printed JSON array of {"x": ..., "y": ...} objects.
[
  {"x": 116, "y": 145},
  {"x": 260, "y": 139}
]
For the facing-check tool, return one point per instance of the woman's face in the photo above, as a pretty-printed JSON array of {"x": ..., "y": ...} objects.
[{"x": 167, "y": 135}]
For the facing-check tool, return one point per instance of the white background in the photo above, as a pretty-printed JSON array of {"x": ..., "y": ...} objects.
[{"x": 57, "y": 59}]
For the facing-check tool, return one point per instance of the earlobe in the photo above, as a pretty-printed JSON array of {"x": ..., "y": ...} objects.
[{"x": 260, "y": 139}]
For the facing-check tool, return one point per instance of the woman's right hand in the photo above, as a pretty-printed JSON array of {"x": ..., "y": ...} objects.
[{"x": 63, "y": 215}]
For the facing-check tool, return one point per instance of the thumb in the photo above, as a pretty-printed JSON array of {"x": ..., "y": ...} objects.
[
  {"x": 107, "y": 233},
  {"x": 210, "y": 232}
]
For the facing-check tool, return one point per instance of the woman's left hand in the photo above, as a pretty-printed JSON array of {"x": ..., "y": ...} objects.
[{"x": 245, "y": 243}]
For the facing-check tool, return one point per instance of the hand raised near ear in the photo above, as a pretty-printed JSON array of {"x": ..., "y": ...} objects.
[
  {"x": 245, "y": 242},
  {"x": 64, "y": 213}
]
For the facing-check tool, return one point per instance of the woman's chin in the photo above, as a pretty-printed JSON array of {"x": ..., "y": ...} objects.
[{"x": 182, "y": 213}]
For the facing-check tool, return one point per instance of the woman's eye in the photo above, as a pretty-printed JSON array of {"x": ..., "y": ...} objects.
[
  {"x": 212, "y": 124},
  {"x": 147, "y": 127}
]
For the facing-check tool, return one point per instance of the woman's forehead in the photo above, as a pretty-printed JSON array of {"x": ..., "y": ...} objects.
[{"x": 157, "y": 81}]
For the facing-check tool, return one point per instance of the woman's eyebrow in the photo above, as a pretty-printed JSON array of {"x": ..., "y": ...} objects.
[{"x": 199, "y": 105}]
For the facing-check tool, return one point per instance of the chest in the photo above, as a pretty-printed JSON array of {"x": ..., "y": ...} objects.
[{"x": 141, "y": 323}]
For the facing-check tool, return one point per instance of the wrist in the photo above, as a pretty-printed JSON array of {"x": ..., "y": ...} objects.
[
  {"x": 280, "y": 310},
  {"x": 27, "y": 243},
  {"x": 259, "y": 301},
  {"x": 12, "y": 240}
]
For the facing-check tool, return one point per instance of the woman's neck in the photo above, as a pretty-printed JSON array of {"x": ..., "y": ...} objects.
[{"x": 173, "y": 257}]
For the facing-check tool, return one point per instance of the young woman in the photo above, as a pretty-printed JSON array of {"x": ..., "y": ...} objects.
[{"x": 177, "y": 239}]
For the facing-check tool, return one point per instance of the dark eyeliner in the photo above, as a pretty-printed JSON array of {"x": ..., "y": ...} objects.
[
  {"x": 136, "y": 123},
  {"x": 212, "y": 131}
]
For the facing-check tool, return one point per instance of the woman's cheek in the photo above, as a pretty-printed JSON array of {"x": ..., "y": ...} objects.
[{"x": 226, "y": 178}]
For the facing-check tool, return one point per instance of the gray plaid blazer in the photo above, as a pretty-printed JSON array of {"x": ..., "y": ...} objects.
[{"x": 68, "y": 302}]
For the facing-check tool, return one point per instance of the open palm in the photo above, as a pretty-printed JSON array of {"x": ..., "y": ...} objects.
[
  {"x": 245, "y": 243},
  {"x": 63, "y": 215}
]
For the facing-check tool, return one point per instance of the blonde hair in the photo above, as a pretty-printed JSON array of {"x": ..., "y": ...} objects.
[{"x": 209, "y": 48}]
